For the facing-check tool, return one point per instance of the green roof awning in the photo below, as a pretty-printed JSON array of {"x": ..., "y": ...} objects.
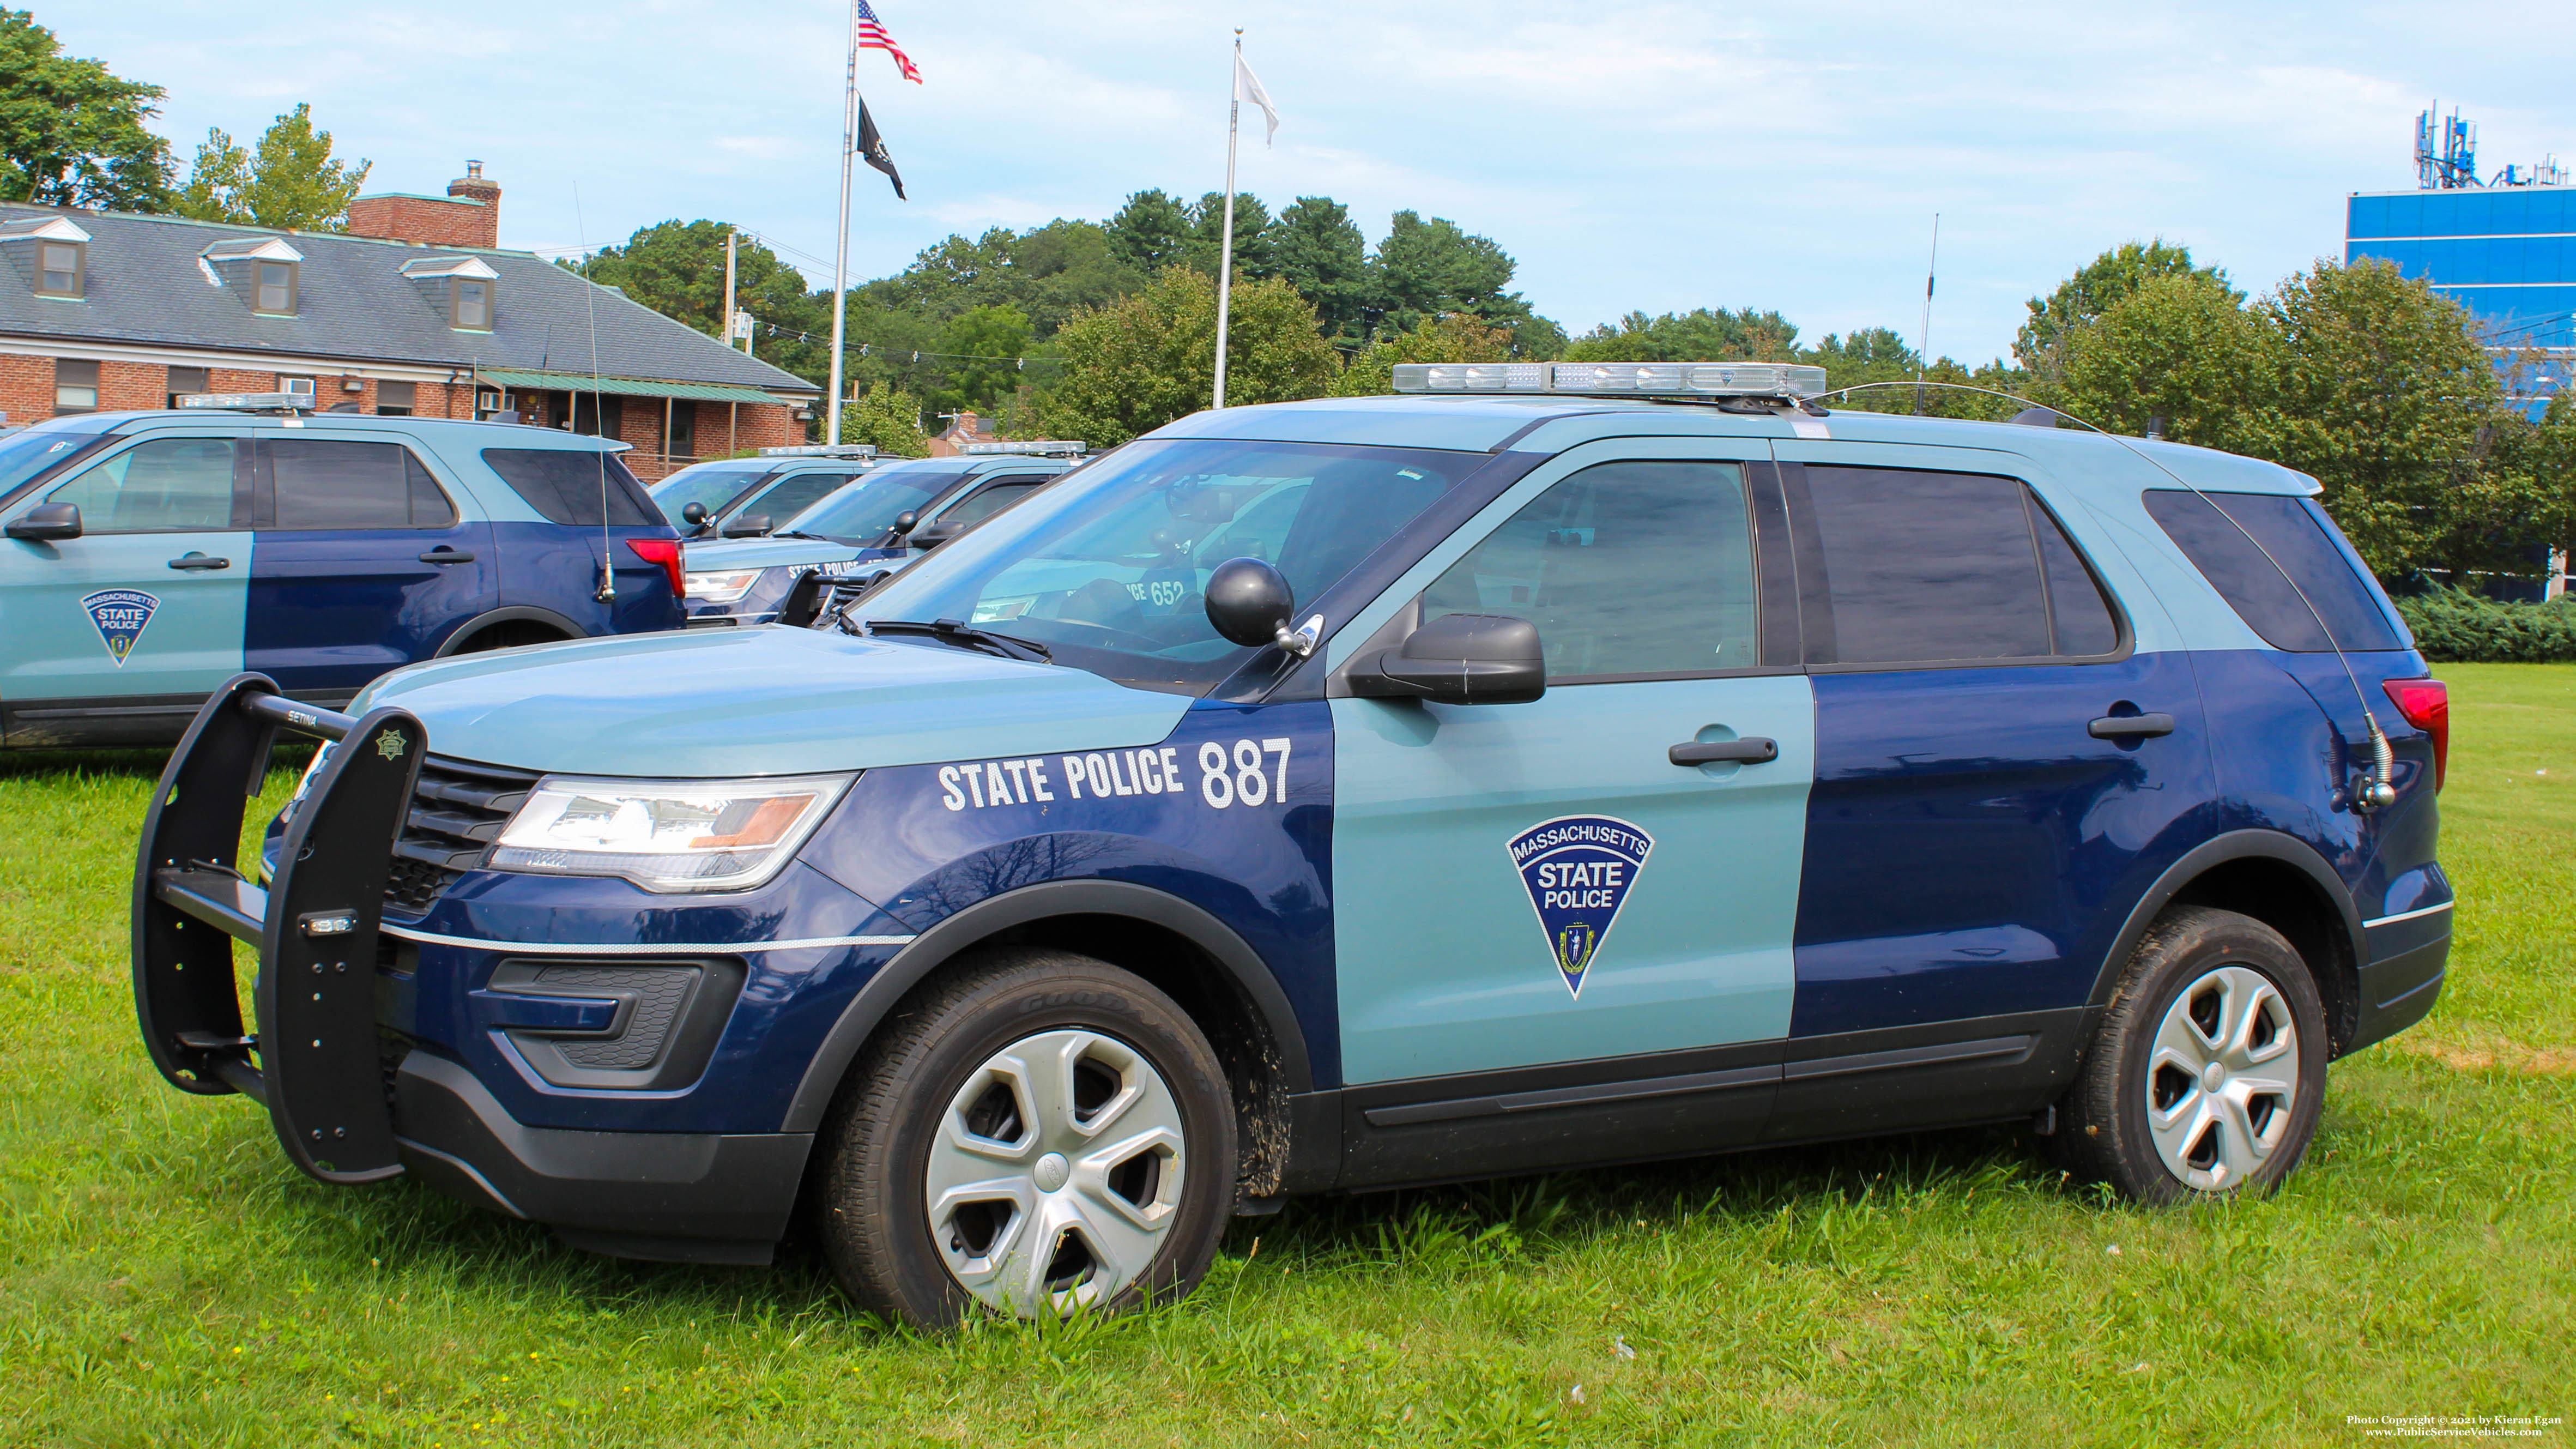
[{"x": 629, "y": 386}]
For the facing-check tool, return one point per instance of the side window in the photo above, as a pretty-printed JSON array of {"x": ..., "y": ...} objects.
[
  {"x": 795, "y": 493},
  {"x": 2212, "y": 532},
  {"x": 1634, "y": 568},
  {"x": 2077, "y": 612},
  {"x": 994, "y": 498},
  {"x": 1906, "y": 567},
  {"x": 324, "y": 483},
  {"x": 568, "y": 485},
  {"x": 166, "y": 485}
]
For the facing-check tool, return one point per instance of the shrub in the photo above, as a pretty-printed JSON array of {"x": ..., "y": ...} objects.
[{"x": 2453, "y": 624}]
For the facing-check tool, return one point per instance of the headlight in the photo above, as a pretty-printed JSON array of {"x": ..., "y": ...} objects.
[
  {"x": 722, "y": 588},
  {"x": 667, "y": 835}
]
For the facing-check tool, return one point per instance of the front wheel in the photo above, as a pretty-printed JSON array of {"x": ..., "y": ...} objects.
[
  {"x": 2207, "y": 1074},
  {"x": 1039, "y": 1133}
]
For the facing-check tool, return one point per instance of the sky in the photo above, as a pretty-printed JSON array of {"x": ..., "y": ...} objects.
[{"x": 1631, "y": 156}]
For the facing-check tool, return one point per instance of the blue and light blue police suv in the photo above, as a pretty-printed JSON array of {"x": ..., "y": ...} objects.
[
  {"x": 745, "y": 497},
  {"x": 149, "y": 557},
  {"x": 871, "y": 525},
  {"x": 1598, "y": 763}
]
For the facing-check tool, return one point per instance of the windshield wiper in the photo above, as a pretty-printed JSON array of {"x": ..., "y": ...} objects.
[
  {"x": 791, "y": 533},
  {"x": 956, "y": 631}
]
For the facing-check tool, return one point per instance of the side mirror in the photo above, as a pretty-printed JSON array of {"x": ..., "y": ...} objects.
[
  {"x": 1248, "y": 602},
  {"x": 752, "y": 526},
  {"x": 935, "y": 533},
  {"x": 906, "y": 521},
  {"x": 47, "y": 523},
  {"x": 1460, "y": 659},
  {"x": 694, "y": 513}
]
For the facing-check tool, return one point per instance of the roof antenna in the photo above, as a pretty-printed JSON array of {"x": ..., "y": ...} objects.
[
  {"x": 1923, "y": 353},
  {"x": 2380, "y": 790},
  {"x": 607, "y": 593}
]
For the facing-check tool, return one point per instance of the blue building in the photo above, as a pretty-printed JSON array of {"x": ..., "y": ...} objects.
[{"x": 2507, "y": 253}]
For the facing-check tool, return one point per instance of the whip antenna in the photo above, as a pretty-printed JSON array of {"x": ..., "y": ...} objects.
[
  {"x": 1923, "y": 349},
  {"x": 607, "y": 593},
  {"x": 2381, "y": 792}
]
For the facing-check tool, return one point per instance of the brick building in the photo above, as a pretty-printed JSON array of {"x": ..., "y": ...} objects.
[{"x": 412, "y": 310}]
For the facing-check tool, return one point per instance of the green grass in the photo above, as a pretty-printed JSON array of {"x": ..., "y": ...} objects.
[{"x": 171, "y": 1280}]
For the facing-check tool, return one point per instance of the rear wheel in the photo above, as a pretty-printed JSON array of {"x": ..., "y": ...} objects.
[
  {"x": 509, "y": 634},
  {"x": 2209, "y": 1071},
  {"x": 1038, "y": 1134}
]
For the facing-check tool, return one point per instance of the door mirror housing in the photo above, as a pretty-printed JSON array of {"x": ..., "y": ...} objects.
[
  {"x": 751, "y": 527},
  {"x": 693, "y": 513},
  {"x": 934, "y": 533},
  {"x": 47, "y": 523},
  {"x": 906, "y": 521},
  {"x": 1459, "y": 659},
  {"x": 1249, "y": 602}
]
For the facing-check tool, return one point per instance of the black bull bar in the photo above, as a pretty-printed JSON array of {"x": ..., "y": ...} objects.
[{"x": 317, "y": 1064}]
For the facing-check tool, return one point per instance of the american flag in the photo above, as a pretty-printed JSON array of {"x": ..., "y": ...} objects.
[{"x": 872, "y": 36}]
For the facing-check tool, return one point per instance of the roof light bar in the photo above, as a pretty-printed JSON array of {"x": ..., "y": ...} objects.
[
  {"x": 1049, "y": 448},
  {"x": 250, "y": 402},
  {"x": 1632, "y": 379},
  {"x": 823, "y": 450}
]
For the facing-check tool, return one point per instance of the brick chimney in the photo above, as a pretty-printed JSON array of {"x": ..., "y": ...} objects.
[{"x": 468, "y": 216}]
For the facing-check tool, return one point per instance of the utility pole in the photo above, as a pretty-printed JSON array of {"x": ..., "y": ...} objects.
[
  {"x": 841, "y": 251},
  {"x": 728, "y": 308}
]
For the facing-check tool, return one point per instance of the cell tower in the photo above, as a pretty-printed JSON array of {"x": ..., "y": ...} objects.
[{"x": 2446, "y": 151}]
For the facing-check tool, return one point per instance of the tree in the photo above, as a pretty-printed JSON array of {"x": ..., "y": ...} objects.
[
  {"x": 677, "y": 269},
  {"x": 1455, "y": 337},
  {"x": 1700, "y": 336},
  {"x": 71, "y": 133},
  {"x": 2094, "y": 289},
  {"x": 889, "y": 417},
  {"x": 1150, "y": 231},
  {"x": 1426, "y": 268},
  {"x": 1252, "y": 239},
  {"x": 2386, "y": 396},
  {"x": 1321, "y": 252},
  {"x": 1144, "y": 360},
  {"x": 2182, "y": 348},
  {"x": 290, "y": 182},
  {"x": 1000, "y": 334}
]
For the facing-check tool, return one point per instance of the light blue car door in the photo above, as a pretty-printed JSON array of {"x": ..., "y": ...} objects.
[
  {"x": 144, "y": 610},
  {"x": 1526, "y": 884}
]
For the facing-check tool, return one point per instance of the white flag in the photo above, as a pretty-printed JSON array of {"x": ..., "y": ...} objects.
[{"x": 1247, "y": 87}]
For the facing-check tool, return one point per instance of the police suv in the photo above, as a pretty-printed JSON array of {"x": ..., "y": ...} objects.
[
  {"x": 151, "y": 556},
  {"x": 744, "y": 497},
  {"x": 1550, "y": 766},
  {"x": 871, "y": 525}
]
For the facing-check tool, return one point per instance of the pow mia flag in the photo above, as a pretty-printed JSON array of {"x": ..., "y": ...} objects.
[{"x": 872, "y": 149}]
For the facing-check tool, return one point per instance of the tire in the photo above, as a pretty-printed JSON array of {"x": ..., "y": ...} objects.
[
  {"x": 509, "y": 634},
  {"x": 971, "y": 1129},
  {"x": 2207, "y": 1075}
]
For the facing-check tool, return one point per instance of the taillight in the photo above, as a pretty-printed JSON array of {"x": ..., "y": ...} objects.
[
  {"x": 2426, "y": 703},
  {"x": 666, "y": 552}
]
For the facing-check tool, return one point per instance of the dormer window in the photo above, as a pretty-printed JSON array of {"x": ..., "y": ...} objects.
[
  {"x": 471, "y": 304},
  {"x": 59, "y": 267},
  {"x": 276, "y": 289}
]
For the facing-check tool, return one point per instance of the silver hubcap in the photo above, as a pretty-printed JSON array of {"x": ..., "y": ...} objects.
[
  {"x": 1056, "y": 1173},
  {"x": 2222, "y": 1079}
]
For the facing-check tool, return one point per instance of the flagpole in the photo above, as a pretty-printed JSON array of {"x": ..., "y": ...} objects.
[
  {"x": 841, "y": 247},
  {"x": 1225, "y": 261}
]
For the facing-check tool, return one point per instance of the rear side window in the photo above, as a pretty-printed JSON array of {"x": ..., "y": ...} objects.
[
  {"x": 1907, "y": 567},
  {"x": 318, "y": 483},
  {"x": 566, "y": 486},
  {"x": 2293, "y": 535}
]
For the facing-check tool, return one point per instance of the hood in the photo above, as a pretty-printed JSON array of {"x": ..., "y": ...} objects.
[
  {"x": 761, "y": 701},
  {"x": 728, "y": 554}
]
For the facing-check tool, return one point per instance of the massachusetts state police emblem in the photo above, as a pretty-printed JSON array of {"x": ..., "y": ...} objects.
[
  {"x": 120, "y": 615},
  {"x": 1578, "y": 870}
]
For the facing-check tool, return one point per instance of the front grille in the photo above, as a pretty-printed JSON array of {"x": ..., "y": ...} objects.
[{"x": 457, "y": 810}]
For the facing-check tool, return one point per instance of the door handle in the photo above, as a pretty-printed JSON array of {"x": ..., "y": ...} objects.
[
  {"x": 1756, "y": 751},
  {"x": 446, "y": 556},
  {"x": 193, "y": 561},
  {"x": 2130, "y": 726}
]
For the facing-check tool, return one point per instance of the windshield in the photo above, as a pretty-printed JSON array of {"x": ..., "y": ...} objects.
[
  {"x": 26, "y": 454},
  {"x": 863, "y": 513},
  {"x": 1107, "y": 568},
  {"x": 711, "y": 484}
]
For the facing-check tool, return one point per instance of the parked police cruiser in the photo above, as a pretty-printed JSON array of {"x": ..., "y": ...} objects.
[
  {"x": 151, "y": 556},
  {"x": 1606, "y": 762},
  {"x": 871, "y": 525}
]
